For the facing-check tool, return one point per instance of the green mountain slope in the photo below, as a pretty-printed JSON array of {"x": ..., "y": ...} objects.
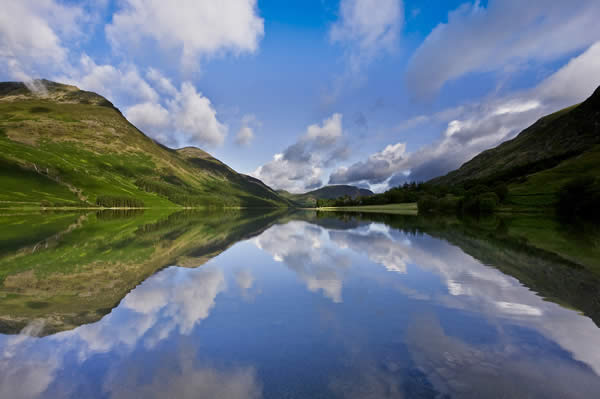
[
  {"x": 69, "y": 147},
  {"x": 328, "y": 192},
  {"x": 541, "y": 159}
]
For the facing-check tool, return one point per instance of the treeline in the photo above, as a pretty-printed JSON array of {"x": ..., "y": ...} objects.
[
  {"x": 431, "y": 198},
  {"x": 476, "y": 200},
  {"x": 579, "y": 200},
  {"x": 107, "y": 201},
  {"x": 409, "y": 192},
  {"x": 58, "y": 204}
]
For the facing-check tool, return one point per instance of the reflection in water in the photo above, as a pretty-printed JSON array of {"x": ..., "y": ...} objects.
[
  {"x": 168, "y": 301},
  {"x": 95, "y": 261},
  {"x": 174, "y": 300},
  {"x": 308, "y": 307},
  {"x": 301, "y": 247}
]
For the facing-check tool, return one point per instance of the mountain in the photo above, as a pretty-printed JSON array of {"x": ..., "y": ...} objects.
[
  {"x": 542, "y": 158},
  {"x": 63, "y": 146},
  {"x": 328, "y": 192}
]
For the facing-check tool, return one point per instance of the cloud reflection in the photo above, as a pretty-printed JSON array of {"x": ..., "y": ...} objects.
[
  {"x": 172, "y": 300},
  {"x": 475, "y": 287},
  {"x": 306, "y": 250}
]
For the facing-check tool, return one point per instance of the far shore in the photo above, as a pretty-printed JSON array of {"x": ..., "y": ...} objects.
[{"x": 399, "y": 209}]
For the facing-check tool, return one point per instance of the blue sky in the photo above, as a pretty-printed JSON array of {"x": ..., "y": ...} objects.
[{"x": 302, "y": 93}]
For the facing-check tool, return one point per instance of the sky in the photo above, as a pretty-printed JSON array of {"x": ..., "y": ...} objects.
[{"x": 305, "y": 93}]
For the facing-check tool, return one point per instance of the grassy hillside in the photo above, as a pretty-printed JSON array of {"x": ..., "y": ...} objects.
[
  {"x": 310, "y": 198},
  {"x": 544, "y": 157},
  {"x": 553, "y": 139},
  {"x": 68, "y": 147}
]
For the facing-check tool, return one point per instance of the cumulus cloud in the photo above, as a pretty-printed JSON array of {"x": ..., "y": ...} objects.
[
  {"x": 300, "y": 166},
  {"x": 151, "y": 118},
  {"x": 192, "y": 29},
  {"x": 246, "y": 133},
  {"x": 244, "y": 136},
  {"x": 472, "y": 128},
  {"x": 376, "y": 169},
  {"x": 123, "y": 84},
  {"x": 34, "y": 36},
  {"x": 482, "y": 39},
  {"x": 196, "y": 117}
]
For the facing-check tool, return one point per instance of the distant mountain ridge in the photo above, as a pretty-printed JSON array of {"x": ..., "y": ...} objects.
[
  {"x": 328, "y": 192},
  {"x": 61, "y": 146}
]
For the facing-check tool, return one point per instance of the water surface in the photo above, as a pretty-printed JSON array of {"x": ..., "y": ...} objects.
[{"x": 305, "y": 305}]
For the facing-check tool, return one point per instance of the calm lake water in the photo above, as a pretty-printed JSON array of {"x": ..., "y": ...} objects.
[{"x": 304, "y": 305}]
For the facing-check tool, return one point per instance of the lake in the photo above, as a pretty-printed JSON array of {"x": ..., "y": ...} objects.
[{"x": 278, "y": 304}]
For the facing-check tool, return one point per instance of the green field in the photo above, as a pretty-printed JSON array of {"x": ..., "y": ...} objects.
[
  {"x": 539, "y": 190},
  {"x": 400, "y": 209}
]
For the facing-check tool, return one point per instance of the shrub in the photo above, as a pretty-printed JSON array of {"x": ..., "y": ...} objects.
[
  {"x": 107, "y": 201},
  {"x": 579, "y": 198},
  {"x": 488, "y": 202},
  {"x": 501, "y": 191},
  {"x": 427, "y": 204},
  {"x": 449, "y": 204},
  {"x": 480, "y": 204}
]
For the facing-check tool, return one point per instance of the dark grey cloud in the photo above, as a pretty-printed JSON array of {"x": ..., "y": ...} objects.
[
  {"x": 314, "y": 185},
  {"x": 376, "y": 169},
  {"x": 297, "y": 152}
]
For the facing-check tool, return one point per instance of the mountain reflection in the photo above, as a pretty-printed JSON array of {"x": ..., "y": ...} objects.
[
  {"x": 319, "y": 256},
  {"x": 306, "y": 305}
]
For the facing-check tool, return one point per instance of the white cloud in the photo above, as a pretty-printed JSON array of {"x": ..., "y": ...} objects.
[
  {"x": 302, "y": 248},
  {"x": 482, "y": 39},
  {"x": 367, "y": 22},
  {"x": 163, "y": 84},
  {"x": 192, "y": 28},
  {"x": 245, "y": 136},
  {"x": 152, "y": 119},
  {"x": 576, "y": 80},
  {"x": 33, "y": 35},
  {"x": 120, "y": 85},
  {"x": 366, "y": 27},
  {"x": 326, "y": 134},
  {"x": 300, "y": 166},
  {"x": 187, "y": 118},
  {"x": 196, "y": 117},
  {"x": 246, "y": 133}
]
